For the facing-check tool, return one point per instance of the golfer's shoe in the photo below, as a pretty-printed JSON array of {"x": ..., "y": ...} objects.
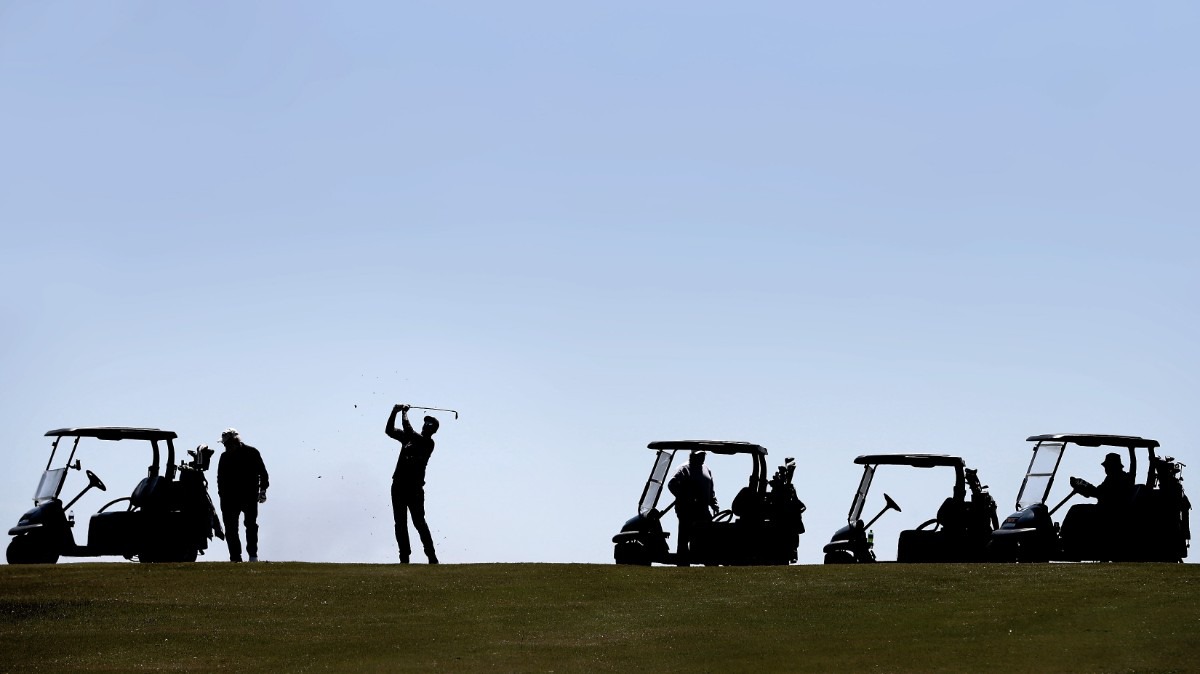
[{"x": 253, "y": 558}]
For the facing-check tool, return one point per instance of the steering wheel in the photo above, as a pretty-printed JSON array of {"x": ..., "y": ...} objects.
[
  {"x": 891, "y": 503},
  {"x": 723, "y": 516},
  {"x": 1078, "y": 486},
  {"x": 927, "y": 523},
  {"x": 95, "y": 481}
]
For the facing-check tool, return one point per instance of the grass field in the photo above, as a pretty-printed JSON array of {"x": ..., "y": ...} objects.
[{"x": 290, "y": 617}]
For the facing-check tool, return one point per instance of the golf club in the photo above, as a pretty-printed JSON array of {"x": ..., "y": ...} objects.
[{"x": 433, "y": 409}]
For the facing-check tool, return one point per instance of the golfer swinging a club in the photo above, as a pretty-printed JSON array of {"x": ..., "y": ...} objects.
[{"x": 408, "y": 482}]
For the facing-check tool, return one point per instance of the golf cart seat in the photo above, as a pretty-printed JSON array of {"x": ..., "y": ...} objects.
[
  {"x": 150, "y": 492},
  {"x": 1092, "y": 531},
  {"x": 117, "y": 532},
  {"x": 916, "y": 545},
  {"x": 952, "y": 515},
  {"x": 943, "y": 544},
  {"x": 747, "y": 504}
]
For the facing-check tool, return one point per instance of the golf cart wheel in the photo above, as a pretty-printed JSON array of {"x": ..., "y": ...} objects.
[
  {"x": 631, "y": 553},
  {"x": 1001, "y": 552},
  {"x": 1032, "y": 553},
  {"x": 839, "y": 557},
  {"x": 30, "y": 548}
]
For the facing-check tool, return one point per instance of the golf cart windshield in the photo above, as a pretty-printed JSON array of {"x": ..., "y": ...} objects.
[
  {"x": 658, "y": 476},
  {"x": 49, "y": 486},
  {"x": 1040, "y": 476},
  {"x": 860, "y": 496}
]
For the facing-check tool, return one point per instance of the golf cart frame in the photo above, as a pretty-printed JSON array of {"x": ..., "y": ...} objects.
[
  {"x": 763, "y": 526},
  {"x": 959, "y": 533},
  {"x": 168, "y": 517},
  {"x": 1151, "y": 526}
]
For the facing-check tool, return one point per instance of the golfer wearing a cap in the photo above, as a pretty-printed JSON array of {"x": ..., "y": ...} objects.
[
  {"x": 1115, "y": 490},
  {"x": 408, "y": 481},
  {"x": 241, "y": 485},
  {"x": 692, "y": 486}
]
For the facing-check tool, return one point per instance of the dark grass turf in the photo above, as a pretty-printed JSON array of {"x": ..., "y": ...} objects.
[{"x": 551, "y": 617}]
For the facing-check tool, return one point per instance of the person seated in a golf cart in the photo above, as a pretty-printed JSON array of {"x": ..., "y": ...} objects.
[
  {"x": 1093, "y": 526},
  {"x": 695, "y": 498},
  {"x": 1116, "y": 489}
]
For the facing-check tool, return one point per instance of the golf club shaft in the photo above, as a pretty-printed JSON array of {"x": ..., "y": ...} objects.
[{"x": 433, "y": 409}]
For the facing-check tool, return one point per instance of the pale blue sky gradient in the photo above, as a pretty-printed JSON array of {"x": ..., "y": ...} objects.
[{"x": 830, "y": 230}]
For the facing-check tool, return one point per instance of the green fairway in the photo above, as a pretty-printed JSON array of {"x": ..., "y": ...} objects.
[{"x": 542, "y": 617}]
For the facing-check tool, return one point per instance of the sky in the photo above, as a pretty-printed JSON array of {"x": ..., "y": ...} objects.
[{"x": 829, "y": 229}]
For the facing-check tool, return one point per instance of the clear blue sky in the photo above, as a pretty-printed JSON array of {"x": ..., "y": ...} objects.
[{"x": 828, "y": 229}]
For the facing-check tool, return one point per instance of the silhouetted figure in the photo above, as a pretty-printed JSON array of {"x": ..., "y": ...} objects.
[
  {"x": 241, "y": 485},
  {"x": 408, "y": 482},
  {"x": 695, "y": 499},
  {"x": 1116, "y": 489}
]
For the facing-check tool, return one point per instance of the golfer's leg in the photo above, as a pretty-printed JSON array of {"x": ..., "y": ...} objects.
[
  {"x": 417, "y": 505},
  {"x": 400, "y": 515},
  {"x": 230, "y": 517},
  {"x": 252, "y": 528}
]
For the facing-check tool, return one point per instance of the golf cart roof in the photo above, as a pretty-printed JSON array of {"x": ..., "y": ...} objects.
[
  {"x": 1090, "y": 440},
  {"x": 916, "y": 460},
  {"x": 714, "y": 446},
  {"x": 114, "y": 433}
]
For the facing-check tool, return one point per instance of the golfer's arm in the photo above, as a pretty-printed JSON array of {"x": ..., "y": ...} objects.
[
  {"x": 264, "y": 480},
  {"x": 391, "y": 425}
]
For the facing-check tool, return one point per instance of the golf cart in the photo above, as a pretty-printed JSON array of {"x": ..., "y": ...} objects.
[
  {"x": 1144, "y": 521},
  {"x": 763, "y": 526},
  {"x": 958, "y": 533},
  {"x": 168, "y": 517}
]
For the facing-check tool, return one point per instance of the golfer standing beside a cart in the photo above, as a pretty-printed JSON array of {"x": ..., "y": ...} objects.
[
  {"x": 695, "y": 498},
  {"x": 408, "y": 482},
  {"x": 241, "y": 485}
]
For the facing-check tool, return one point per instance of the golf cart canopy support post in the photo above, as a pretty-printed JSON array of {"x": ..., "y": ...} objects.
[
  {"x": 871, "y": 462},
  {"x": 117, "y": 433}
]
